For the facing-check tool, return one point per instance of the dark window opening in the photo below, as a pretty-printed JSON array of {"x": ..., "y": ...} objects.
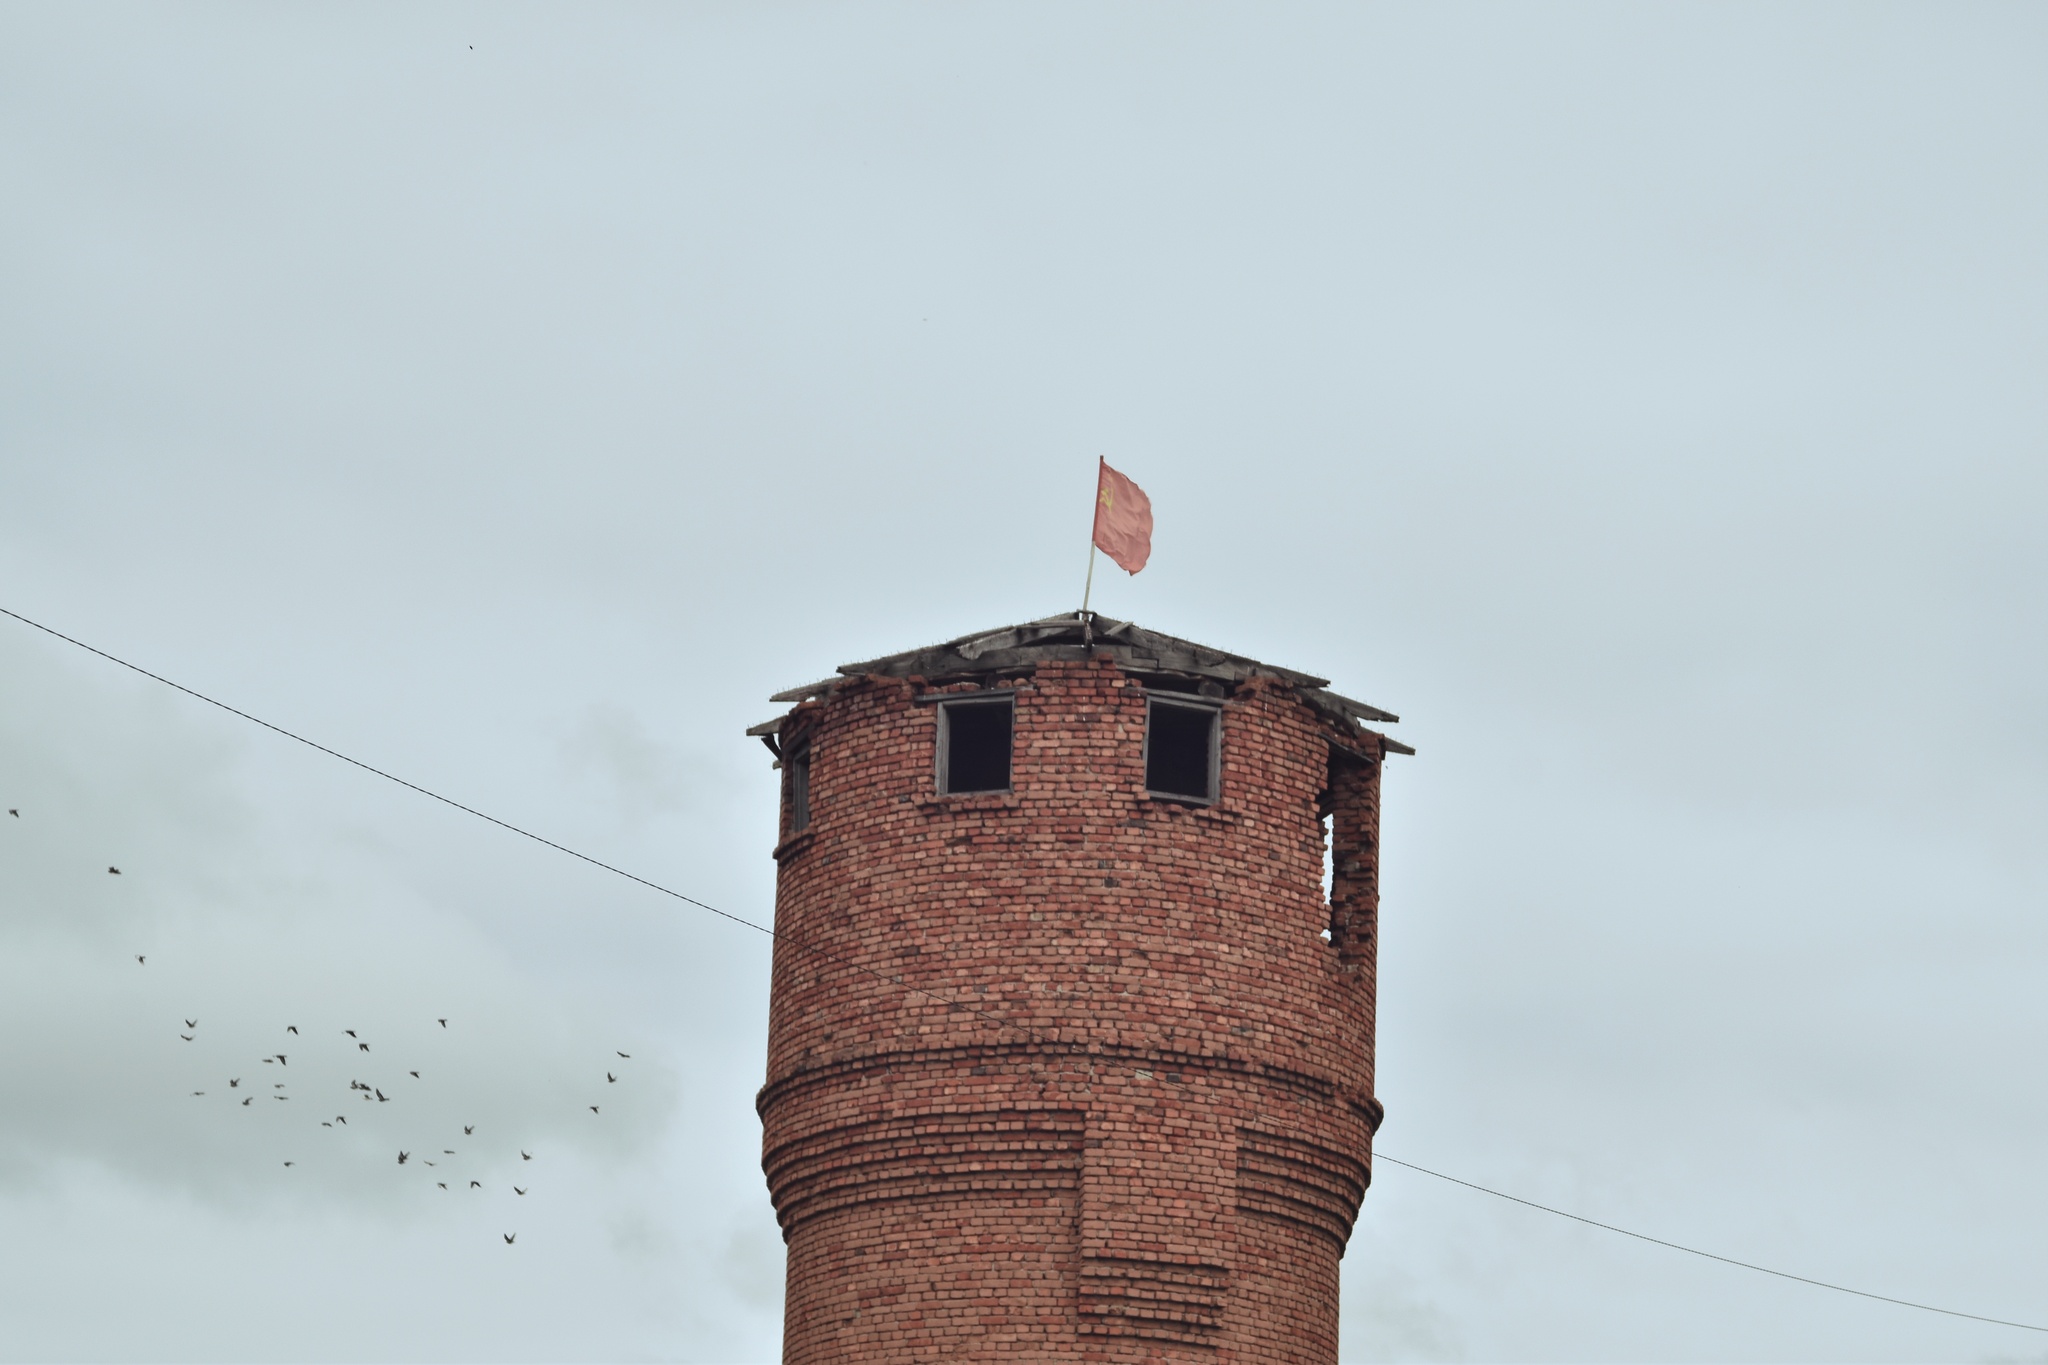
[
  {"x": 1180, "y": 751},
  {"x": 974, "y": 746},
  {"x": 798, "y": 766}
]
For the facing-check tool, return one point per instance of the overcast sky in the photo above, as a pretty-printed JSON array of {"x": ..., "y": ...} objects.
[{"x": 1645, "y": 402}]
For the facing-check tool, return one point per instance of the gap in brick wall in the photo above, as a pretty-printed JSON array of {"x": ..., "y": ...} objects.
[{"x": 1329, "y": 866}]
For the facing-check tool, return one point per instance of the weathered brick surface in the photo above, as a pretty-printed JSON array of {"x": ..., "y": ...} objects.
[{"x": 1131, "y": 1120}]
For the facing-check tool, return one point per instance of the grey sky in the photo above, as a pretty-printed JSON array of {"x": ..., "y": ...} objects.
[{"x": 1645, "y": 402}]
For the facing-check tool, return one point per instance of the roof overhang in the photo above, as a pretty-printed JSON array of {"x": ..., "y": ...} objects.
[{"x": 1018, "y": 649}]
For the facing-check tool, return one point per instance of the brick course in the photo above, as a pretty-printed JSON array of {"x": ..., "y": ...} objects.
[{"x": 1070, "y": 1073}]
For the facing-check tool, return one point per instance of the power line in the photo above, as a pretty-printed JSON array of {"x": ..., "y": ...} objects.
[
  {"x": 505, "y": 824},
  {"x": 1378, "y": 1156},
  {"x": 950, "y": 1003}
]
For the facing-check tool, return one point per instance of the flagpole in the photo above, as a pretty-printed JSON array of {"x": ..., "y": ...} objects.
[{"x": 1088, "y": 588}]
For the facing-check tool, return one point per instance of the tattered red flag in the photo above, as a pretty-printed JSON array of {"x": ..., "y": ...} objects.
[{"x": 1123, "y": 520}]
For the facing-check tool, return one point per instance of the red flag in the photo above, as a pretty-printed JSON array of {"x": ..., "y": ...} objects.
[{"x": 1123, "y": 520}]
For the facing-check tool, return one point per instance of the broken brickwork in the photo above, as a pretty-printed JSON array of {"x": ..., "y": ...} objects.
[{"x": 1070, "y": 1072}]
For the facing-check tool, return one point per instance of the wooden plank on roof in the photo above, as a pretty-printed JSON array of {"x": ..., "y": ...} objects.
[
  {"x": 806, "y": 692},
  {"x": 1362, "y": 710}
]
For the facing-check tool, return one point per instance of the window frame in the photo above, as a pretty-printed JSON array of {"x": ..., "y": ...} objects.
[
  {"x": 797, "y": 764},
  {"x": 942, "y": 758},
  {"x": 1178, "y": 701}
]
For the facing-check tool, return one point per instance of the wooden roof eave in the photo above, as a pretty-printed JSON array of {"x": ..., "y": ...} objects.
[
  {"x": 1019, "y": 649},
  {"x": 807, "y": 691}
]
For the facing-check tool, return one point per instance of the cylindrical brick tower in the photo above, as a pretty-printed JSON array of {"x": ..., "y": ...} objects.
[{"x": 1069, "y": 1055}]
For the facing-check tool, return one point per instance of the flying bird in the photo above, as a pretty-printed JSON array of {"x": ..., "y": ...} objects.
[
  {"x": 287, "y": 1163},
  {"x": 593, "y": 1109},
  {"x": 115, "y": 871},
  {"x": 350, "y": 1032},
  {"x": 443, "y": 1023},
  {"x": 447, "y": 1151},
  {"x": 476, "y": 1184},
  {"x": 199, "y": 1092},
  {"x": 442, "y": 1183},
  {"x": 402, "y": 1156},
  {"x": 362, "y": 1047},
  {"x": 186, "y": 1036},
  {"x": 234, "y": 1082},
  {"x": 509, "y": 1237},
  {"x": 245, "y": 1103},
  {"x": 525, "y": 1156},
  {"x": 627, "y": 1055},
  {"x": 425, "y": 1162},
  {"x": 291, "y": 1028},
  {"x": 268, "y": 1060},
  {"x": 279, "y": 1085},
  {"x": 468, "y": 1128},
  {"x": 415, "y": 1075},
  {"x": 280, "y": 1059},
  {"x": 191, "y": 1023},
  {"x": 613, "y": 1079},
  {"x": 139, "y": 957},
  {"x": 13, "y": 812},
  {"x": 382, "y": 1098},
  {"x": 339, "y": 1119},
  {"x": 517, "y": 1190},
  {"x": 280, "y": 1097},
  {"x": 325, "y": 1124}
]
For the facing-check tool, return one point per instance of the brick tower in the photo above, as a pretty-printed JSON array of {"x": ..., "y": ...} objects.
[{"x": 1069, "y": 1056}]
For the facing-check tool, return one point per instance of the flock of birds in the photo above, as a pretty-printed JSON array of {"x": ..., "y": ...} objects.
[{"x": 366, "y": 1092}]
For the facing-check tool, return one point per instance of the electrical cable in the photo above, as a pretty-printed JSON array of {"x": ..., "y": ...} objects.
[
  {"x": 950, "y": 1003},
  {"x": 1695, "y": 1251},
  {"x": 506, "y": 824}
]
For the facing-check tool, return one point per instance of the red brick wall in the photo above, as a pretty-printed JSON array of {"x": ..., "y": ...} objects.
[{"x": 1132, "y": 1119}]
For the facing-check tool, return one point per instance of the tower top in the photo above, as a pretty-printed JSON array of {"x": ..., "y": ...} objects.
[
  {"x": 1070, "y": 1043},
  {"x": 1164, "y": 662}
]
